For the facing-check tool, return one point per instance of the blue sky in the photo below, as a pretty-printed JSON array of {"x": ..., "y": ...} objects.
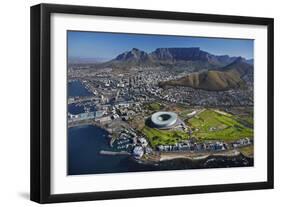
[{"x": 109, "y": 45}]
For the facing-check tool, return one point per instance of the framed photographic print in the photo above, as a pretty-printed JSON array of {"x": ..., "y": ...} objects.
[{"x": 132, "y": 103}]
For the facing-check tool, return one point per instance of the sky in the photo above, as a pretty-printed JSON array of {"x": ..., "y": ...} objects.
[{"x": 106, "y": 46}]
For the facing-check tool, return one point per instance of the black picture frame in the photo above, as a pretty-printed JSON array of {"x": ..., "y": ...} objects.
[{"x": 41, "y": 98}]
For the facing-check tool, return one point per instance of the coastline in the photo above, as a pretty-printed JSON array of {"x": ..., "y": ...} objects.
[
  {"x": 158, "y": 157},
  {"x": 192, "y": 156}
]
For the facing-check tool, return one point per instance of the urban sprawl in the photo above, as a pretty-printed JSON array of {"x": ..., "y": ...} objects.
[{"x": 122, "y": 103}]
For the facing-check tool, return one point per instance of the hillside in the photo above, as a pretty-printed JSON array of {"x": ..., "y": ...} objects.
[
  {"x": 245, "y": 70},
  {"x": 209, "y": 80},
  {"x": 232, "y": 76}
]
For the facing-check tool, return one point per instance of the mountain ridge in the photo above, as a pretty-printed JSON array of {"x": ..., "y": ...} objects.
[
  {"x": 171, "y": 57},
  {"x": 233, "y": 76}
]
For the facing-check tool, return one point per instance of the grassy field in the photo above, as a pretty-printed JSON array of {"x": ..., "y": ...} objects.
[
  {"x": 246, "y": 120},
  {"x": 163, "y": 137},
  {"x": 212, "y": 125},
  {"x": 209, "y": 124}
]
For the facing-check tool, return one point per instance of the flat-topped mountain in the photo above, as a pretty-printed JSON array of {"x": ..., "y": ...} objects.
[
  {"x": 234, "y": 75},
  {"x": 192, "y": 58},
  {"x": 183, "y": 54}
]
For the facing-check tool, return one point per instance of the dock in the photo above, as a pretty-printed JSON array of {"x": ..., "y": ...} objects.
[{"x": 104, "y": 152}]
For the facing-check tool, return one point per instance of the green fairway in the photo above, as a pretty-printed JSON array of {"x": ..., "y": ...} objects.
[
  {"x": 246, "y": 120},
  {"x": 163, "y": 137},
  {"x": 212, "y": 125}
]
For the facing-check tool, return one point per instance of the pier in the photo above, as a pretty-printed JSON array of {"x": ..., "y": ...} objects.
[
  {"x": 81, "y": 99},
  {"x": 104, "y": 152}
]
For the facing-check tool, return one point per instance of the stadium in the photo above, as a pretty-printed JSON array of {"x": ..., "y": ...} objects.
[{"x": 165, "y": 120}]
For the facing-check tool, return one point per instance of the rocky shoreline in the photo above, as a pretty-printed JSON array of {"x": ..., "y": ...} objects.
[{"x": 191, "y": 156}]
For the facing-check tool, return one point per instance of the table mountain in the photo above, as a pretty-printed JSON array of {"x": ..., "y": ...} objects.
[{"x": 185, "y": 58}]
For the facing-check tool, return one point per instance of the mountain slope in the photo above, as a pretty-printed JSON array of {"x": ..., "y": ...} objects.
[
  {"x": 186, "y": 58},
  {"x": 129, "y": 59},
  {"x": 245, "y": 70},
  {"x": 135, "y": 55},
  {"x": 209, "y": 80},
  {"x": 229, "y": 77}
]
